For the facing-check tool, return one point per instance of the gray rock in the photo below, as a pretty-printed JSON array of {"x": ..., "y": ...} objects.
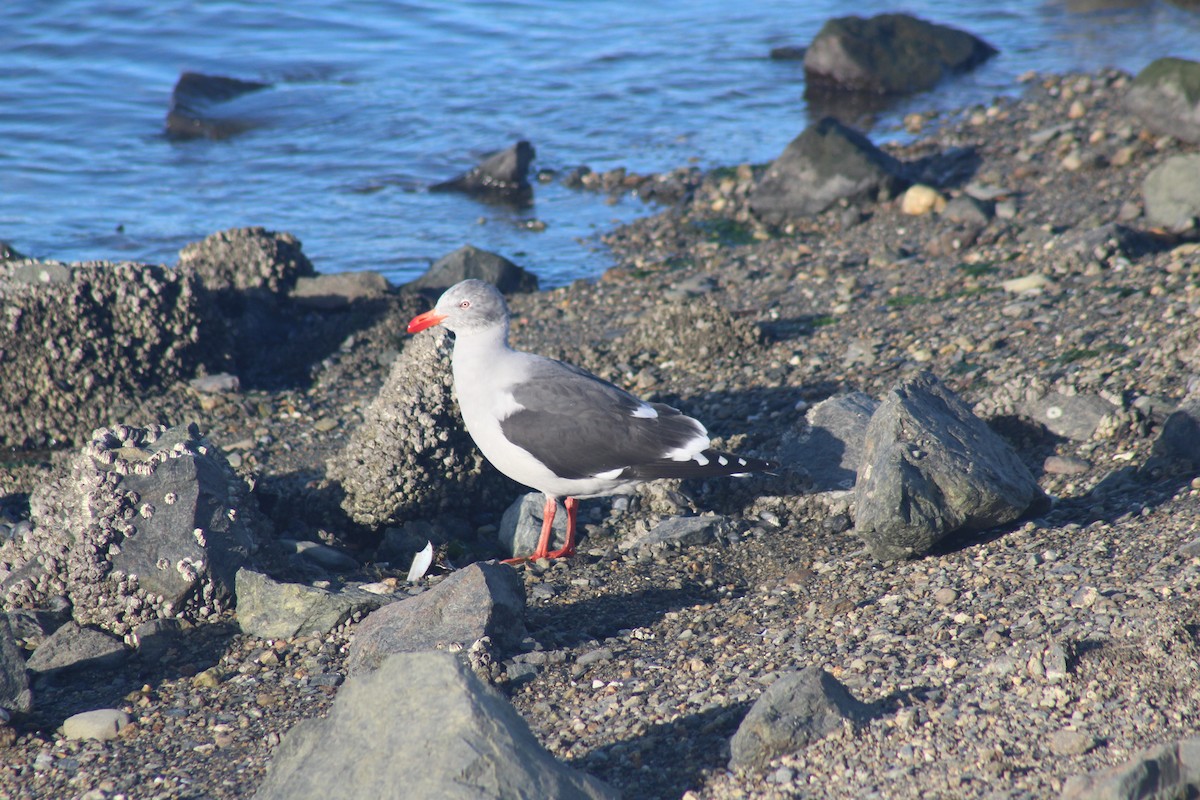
[
  {"x": 501, "y": 176},
  {"x": 402, "y": 542},
  {"x": 931, "y": 468},
  {"x": 679, "y": 532},
  {"x": 195, "y": 110},
  {"x": 889, "y": 54},
  {"x": 142, "y": 523},
  {"x": 483, "y": 599},
  {"x": 422, "y": 725},
  {"x": 797, "y": 709},
  {"x": 1179, "y": 438},
  {"x": 521, "y": 525},
  {"x": 967, "y": 210},
  {"x": 1167, "y": 771},
  {"x": 215, "y": 384},
  {"x": 469, "y": 261},
  {"x": 31, "y": 626},
  {"x": 74, "y": 648},
  {"x": 824, "y": 164},
  {"x": 1172, "y": 192},
  {"x": 411, "y": 457},
  {"x": 830, "y": 446},
  {"x": 339, "y": 290},
  {"x": 89, "y": 338},
  {"x": 15, "y": 694},
  {"x": 1072, "y": 743},
  {"x": 271, "y": 609},
  {"x": 101, "y": 724},
  {"x": 1075, "y": 417},
  {"x": 1166, "y": 96},
  {"x": 155, "y": 638}
]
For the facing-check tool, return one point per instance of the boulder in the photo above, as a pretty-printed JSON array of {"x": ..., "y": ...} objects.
[
  {"x": 1179, "y": 438},
  {"x": 471, "y": 262},
  {"x": 798, "y": 708},
  {"x": 931, "y": 468},
  {"x": 143, "y": 523},
  {"x": 502, "y": 176},
  {"x": 1075, "y": 416},
  {"x": 889, "y": 54},
  {"x": 483, "y": 599},
  {"x": 339, "y": 290},
  {"x": 81, "y": 339},
  {"x": 195, "y": 106},
  {"x": 826, "y": 163},
  {"x": 411, "y": 456},
  {"x": 422, "y": 725},
  {"x": 1166, "y": 96},
  {"x": 1172, "y": 192}
]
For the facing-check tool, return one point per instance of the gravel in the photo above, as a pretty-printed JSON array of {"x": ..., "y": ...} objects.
[{"x": 1001, "y": 664}]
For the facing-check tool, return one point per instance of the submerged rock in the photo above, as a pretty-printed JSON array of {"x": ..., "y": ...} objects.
[
  {"x": 195, "y": 103},
  {"x": 889, "y": 54},
  {"x": 502, "y": 176}
]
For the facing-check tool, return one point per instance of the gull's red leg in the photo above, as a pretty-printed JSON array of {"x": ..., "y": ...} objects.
[
  {"x": 569, "y": 546},
  {"x": 543, "y": 545}
]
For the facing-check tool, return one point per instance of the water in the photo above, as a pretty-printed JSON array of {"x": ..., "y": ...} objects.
[{"x": 374, "y": 101}]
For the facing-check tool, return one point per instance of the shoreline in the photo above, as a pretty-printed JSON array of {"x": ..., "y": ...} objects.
[{"x": 745, "y": 326}]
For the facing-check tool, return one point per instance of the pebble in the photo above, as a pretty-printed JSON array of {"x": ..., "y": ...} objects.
[{"x": 102, "y": 724}]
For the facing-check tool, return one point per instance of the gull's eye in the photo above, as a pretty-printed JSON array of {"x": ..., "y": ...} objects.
[{"x": 465, "y": 304}]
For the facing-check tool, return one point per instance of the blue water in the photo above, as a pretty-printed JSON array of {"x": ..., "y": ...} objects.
[{"x": 374, "y": 101}]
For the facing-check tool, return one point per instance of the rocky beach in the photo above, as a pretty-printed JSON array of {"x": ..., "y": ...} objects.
[{"x": 218, "y": 475}]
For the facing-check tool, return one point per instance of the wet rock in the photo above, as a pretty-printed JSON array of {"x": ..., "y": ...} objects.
[
  {"x": 1172, "y": 192},
  {"x": 797, "y": 709},
  {"x": 931, "y": 468},
  {"x": 74, "y": 648},
  {"x": 501, "y": 176},
  {"x": 830, "y": 446},
  {"x": 88, "y": 338},
  {"x": 521, "y": 526},
  {"x": 271, "y": 609},
  {"x": 483, "y": 599},
  {"x": 1171, "y": 770},
  {"x": 143, "y": 523},
  {"x": 411, "y": 456},
  {"x": 1074, "y": 416},
  {"x": 889, "y": 54},
  {"x": 15, "y": 695},
  {"x": 1166, "y": 96},
  {"x": 678, "y": 532},
  {"x": 101, "y": 724},
  {"x": 195, "y": 106},
  {"x": 339, "y": 290},
  {"x": 381, "y": 740},
  {"x": 471, "y": 262},
  {"x": 826, "y": 163},
  {"x": 788, "y": 52}
]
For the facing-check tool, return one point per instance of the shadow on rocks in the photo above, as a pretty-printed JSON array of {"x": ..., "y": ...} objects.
[
  {"x": 600, "y": 618},
  {"x": 184, "y": 654}
]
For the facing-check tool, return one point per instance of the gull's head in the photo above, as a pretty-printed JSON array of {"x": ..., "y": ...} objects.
[{"x": 465, "y": 307}]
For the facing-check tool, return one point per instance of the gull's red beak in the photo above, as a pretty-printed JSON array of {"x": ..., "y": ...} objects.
[{"x": 426, "y": 320}]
